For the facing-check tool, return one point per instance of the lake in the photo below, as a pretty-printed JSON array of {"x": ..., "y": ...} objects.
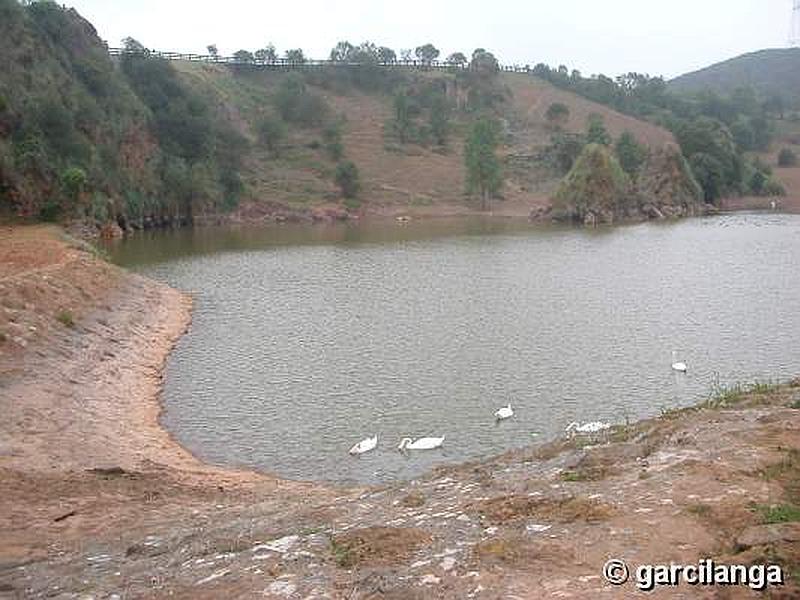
[{"x": 306, "y": 339}]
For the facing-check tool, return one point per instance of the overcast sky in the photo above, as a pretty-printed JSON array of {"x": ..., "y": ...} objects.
[{"x": 660, "y": 37}]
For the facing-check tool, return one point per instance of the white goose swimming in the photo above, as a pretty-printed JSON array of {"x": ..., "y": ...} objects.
[
  {"x": 426, "y": 443},
  {"x": 677, "y": 365},
  {"x": 503, "y": 413},
  {"x": 365, "y": 445}
]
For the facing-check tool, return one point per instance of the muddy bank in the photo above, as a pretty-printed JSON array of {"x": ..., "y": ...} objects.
[{"x": 96, "y": 500}]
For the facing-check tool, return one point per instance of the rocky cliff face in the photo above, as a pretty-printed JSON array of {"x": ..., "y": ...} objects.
[{"x": 666, "y": 187}]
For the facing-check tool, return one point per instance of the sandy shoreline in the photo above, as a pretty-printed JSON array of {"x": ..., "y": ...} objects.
[{"x": 98, "y": 500}]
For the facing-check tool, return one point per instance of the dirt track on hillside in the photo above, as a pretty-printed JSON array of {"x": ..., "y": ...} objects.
[{"x": 96, "y": 500}]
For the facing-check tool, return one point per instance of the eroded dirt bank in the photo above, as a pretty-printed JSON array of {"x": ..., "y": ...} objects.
[{"x": 96, "y": 500}]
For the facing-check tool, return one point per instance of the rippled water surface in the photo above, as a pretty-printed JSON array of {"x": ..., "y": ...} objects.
[{"x": 307, "y": 339}]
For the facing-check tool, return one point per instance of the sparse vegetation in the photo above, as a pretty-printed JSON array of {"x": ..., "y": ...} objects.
[
  {"x": 271, "y": 133},
  {"x": 778, "y": 513},
  {"x": 66, "y": 319},
  {"x": 557, "y": 115}
]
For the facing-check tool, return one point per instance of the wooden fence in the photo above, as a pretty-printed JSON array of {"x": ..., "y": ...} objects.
[{"x": 290, "y": 65}]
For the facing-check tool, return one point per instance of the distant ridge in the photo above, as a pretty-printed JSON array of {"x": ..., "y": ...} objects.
[{"x": 768, "y": 71}]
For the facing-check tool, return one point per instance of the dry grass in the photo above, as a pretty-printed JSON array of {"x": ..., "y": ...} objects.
[
  {"x": 506, "y": 509},
  {"x": 376, "y": 546},
  {"x": 413, "y": 500},
  {"x": 520, "y": 551}
]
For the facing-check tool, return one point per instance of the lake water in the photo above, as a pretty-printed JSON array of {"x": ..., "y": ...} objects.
[{"x": 306, "y": 339}]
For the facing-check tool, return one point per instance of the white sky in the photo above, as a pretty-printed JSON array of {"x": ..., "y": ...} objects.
[{"x": 664, "y": 37}]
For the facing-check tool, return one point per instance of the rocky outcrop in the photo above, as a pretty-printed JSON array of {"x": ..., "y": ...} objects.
[
  {"x": 598, "y": 191},
  {"x": 666, "y": 187},
  {"x": 595, "y": 191}
]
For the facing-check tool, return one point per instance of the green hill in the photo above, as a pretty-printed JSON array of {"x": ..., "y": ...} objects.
[
  {"x": 144, "y": 141},
  {"x": 770, "y": 72}
]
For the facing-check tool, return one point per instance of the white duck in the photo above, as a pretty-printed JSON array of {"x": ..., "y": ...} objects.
[
  {"x": 592, "y": 427},
  {"x": 678, "y": 365},
  {"x": 365, "y": 445},
  {"x": 426, "y": 443},
  {"x": 506, "y": 412}
]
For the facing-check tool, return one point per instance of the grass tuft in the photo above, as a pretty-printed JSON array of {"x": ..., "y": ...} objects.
[
  {"x": 66, "y": 319},
  {"x": 778, "y": 513}
]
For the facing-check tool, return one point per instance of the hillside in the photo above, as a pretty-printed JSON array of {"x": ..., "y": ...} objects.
[
  {"x": 770, "y": 72},
  {"x": 142, "y": 141}
]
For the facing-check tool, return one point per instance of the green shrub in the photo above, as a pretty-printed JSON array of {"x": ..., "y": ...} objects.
[
  {"x": 630, "y": 153},
  {"x": 73, "y": 181},
  {"x": 787, "y": 158},
  {"x": 773, "y": 187},
  {"x": 297, "y": 105},
  {"x": 50, "y": 211},
  {"x": 271, "y": 133},
  {"x": 332, "y": 136},
  {"x": 347, "y": 179},
  {"x": 66, "y": 319}
]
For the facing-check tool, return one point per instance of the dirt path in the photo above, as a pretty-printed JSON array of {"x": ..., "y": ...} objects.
[{"x": 96, "y": 500}]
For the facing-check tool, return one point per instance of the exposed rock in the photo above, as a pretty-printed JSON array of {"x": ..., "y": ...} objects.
[
  {"x": 596, "y": 190},
  {"x": 668, "y": 187},
  {"x": 111, "y": 231},
  {"x": 761, "y": 535}
]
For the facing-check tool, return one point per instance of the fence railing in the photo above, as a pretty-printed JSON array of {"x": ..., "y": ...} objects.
[{"x": 289, "y": 64}]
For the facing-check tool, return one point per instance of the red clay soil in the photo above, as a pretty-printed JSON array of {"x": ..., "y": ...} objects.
[{"x": 98, "y": 501}]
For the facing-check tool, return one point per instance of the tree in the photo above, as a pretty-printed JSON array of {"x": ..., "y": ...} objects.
[
  {"x": 297, "y": 105},
  {"x": 244, "y": 56},
  {"x": 743, "y": 133},
  {"x": 597, "y": 133},
  {"x": 787, "y": 158},
  {"x": 73, "y": 182},
  {"x": 427, "y": 53},
  {"x": 271, "y": 132},
  {"x": 719, "y": 166},
  {"x": 406, "y": 55},
  {"x": 342, "y": 51},
  {"x": 710, "y": 174},
  {"x": 347, "y": 179},
  {"x": 457, "y": 59},
  {"x": 386, "y": 55},
  {"x": 484, "y": 62},
  {"x": 439, "y": 121},
  {"x": 565, "y": 148},
  {"x": 775, "y": 105},
  {"x": 213, "y": 50},
  {"x": 630, "y": 153},
  {"x": 267, "y": 54},
  {"x": 484, "y": 176},
  {"x": 402, "y": 116},
  {"x": 557, "y": 115},
  {"x": 296, "y": 56},
  {"x": 133, "y": 46}
]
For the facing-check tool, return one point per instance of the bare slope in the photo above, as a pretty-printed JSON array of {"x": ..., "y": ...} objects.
[{"x": 396, "y": 178}]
